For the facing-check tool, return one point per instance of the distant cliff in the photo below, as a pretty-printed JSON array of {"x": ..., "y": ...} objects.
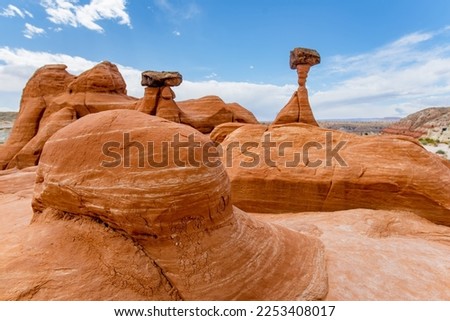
[
  {"x": 431, "y": 123},
  {"x": 6, "y": 123}
]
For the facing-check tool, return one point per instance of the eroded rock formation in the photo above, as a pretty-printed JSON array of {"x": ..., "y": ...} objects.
[
  {"x": 298, "y": 110},
  {"x": 52, "y": 89},
  {"x": 45, "y": 84},
  {"x": 207, "y": 112},
  {"x": 133, "y": 229},
  {"x": 53, "y": 98},
  {"x": 298, "y": 167}
]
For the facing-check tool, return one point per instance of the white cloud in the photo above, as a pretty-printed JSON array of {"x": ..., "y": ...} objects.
[
  {"x": 406, "y": 75},
  {"x": 13, "y": 11},
  {"x": 17, "y": 66},
  {"x": 400, "y": 78},
  {"x": 211, "y": 75},
  {"x": 185, "y": 10},
  {"x": 68, "y": 12},
  {"x": 30, "y": 31},
  {"x": 176, "y": 33},
  {"x": 264, "y": 100}
]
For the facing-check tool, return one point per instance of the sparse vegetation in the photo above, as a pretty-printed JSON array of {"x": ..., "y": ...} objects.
[
  {"x": 428, "y": 141},
  {"x": 441, "y": 152}
]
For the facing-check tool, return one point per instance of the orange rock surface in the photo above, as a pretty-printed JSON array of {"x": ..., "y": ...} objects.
[
  {"x": 306, "y": 168},
  {"x": 377, "y": 254},
  {"x": 205, "y": 113},
  {"x": 371, "y": 254},
  {"x": 45, "y": 84},
  {"x": 52, "y": 89},
  {"x": 140, "y": 231},
  {"x": 298, "y": 110},
  {"x": 220, "y": 132}
]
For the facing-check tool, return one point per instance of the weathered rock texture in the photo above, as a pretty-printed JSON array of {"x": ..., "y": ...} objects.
[
  {"x": 378, "y": 255},
  {"x": 371, "y": 254},
  {"x": 220, "y": 132},
  {"x": 52, "y": 89},
  {"x": 431, "y": 122},
  {"x": 161, "y": 78},
  {"x": 293, "y": 168},
  {"x": 45, "y": 84},
  {"x": 137, "y": 230},
  {"x": 30, "y": 153},
  {"x": 298, "y": 110},
  {"x": 159, "y": 97},
  {"x": 205, "y": 113}
]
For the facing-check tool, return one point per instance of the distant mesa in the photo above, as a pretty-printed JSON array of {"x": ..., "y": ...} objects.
[{"x": 431, "y": 123}]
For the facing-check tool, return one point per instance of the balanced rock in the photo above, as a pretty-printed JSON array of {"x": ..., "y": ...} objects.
[
  {"x": 159, "y": 97},
  {"x": 155, "y": 198},
  {"x": 161, "y": 78},
  {"x": 50, "y": 91},
  {"x": 298, "y": 110},
  {"x": 298, "y": 167}
]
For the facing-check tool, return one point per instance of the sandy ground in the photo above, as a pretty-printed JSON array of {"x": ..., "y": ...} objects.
[{"x": 440, "y": 146}]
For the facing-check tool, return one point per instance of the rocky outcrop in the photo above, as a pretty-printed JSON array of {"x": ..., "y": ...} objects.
[
  {"x": 220, "y": 132},
  {"x": 98, "y": 89},
  {"x": 378, "y": 255},
  {"x": 30, "y": 153},
  {"x": 298, "y": 110},
  {"x": 53, "y": 91},
  {"x": 205, "y": 113},
  {"x": 298, "y": 167},
  {"x": 46, "y": 83},
  {"x": 371, "y": 254},
  {"x": 159, "y": 97},
  {"x": 431, "y": 123},
  {"x": 113, "y": 220}
]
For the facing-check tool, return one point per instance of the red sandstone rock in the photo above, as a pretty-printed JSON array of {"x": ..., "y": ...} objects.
[
  {"x": 378, "y": 172},
  {"x": 207, "y": 112},
  {"x": 147, "y": 232},
  {"x": 52, "y": 89},
  {"x": 45, "y": 84},
  {"x": 371, "y": 254},
  {"x": 220, "y": 132},
  {"x": 30, "y": 153},
  {"x": 298, "y": 109},
  {"x": 98, "y": 89},
  {"x": 378, "y": 255}
]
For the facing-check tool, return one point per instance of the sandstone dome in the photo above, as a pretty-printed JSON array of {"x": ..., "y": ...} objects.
[
  {"x": 102, "y": 78},
  {"x": 122, "y": 169}
]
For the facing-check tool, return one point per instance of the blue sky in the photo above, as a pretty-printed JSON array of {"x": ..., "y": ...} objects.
[{"x": 379, "y": 58}]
